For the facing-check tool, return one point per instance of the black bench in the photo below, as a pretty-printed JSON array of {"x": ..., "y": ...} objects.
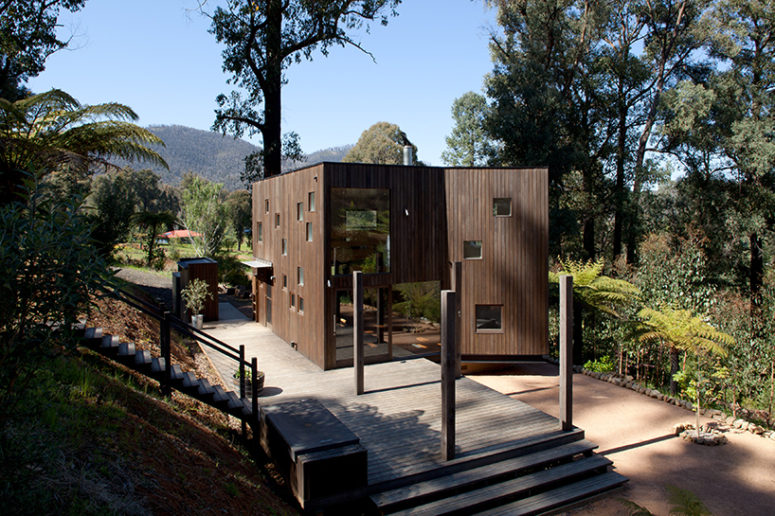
[{"x": 315, "y": 451}]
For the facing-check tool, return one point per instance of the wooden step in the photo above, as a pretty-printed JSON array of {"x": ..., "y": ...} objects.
[
  {"x": 412, "y": 476},
  {"x": 190, "y": 380},
  {"x": 176, "y": 373},
  {"x": 219, "y": 396},
  {"x": 437, "y": 488},
  {"x": 555, "y": 498},
  {"x": 92, "y": 334},
  {"x": 205, "y": 389},
  {"x": 510, "y": 490},
  {"x": 158, "y": 365},
  {"x": 142, "y": 358},
  {"x": 110, "y": 342},
  {"x": 126, "y": 349}
]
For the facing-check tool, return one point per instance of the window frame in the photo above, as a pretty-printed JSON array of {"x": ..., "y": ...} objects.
[
  {"x": 478, "y": 330},
  {"x": 481, "y": 250},
  {"x": 494, "y": 212}
]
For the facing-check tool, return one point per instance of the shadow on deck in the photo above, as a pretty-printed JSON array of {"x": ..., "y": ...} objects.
[{"x": 508, "y": 454}]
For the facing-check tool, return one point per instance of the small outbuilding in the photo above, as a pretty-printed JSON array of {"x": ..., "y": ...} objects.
[{"x": 402, "y": 226}]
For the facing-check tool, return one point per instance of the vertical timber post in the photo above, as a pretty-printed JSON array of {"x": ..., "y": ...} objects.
[
  {"x": 254, "y": 389},
  {"x": 242, "y": 384},
  {"x": 448, "y": 361},
  {"x": 358, "y": 330},
  {"x": 457, "y": 286},
  {"x": 566, "y": 352},
  {"x": 164, "y": 328}
]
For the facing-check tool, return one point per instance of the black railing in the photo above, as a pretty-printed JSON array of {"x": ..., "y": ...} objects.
[{"x": 169, "y": 321}]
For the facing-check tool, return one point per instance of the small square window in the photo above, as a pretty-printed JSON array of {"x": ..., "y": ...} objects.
[
  {"x": 260, "y": 232},
  {"x": 311, "y": 201},
  {"x": 489, "y": 318},
  {"x": 277, "y": 220},
  {"x": 501, "y": 207},
  {"x": 299, "y": 211},
  {"x": 472, "y": 249},
  {"x": 301, "y": 304},
  {"x": 266, "y": 205},
  {"x": 300, "y": 275},
  {"x": 285, "y": 247},
  {"x": 285, "y": 281},
  {"x": 309, "y": 232}
]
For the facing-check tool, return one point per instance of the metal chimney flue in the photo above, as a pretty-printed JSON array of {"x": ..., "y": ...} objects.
[{"x": 408, "y": 157}]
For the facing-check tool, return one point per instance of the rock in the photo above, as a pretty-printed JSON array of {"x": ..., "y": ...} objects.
[
  {"x": 731, "y": 420},
  {"x": 756, "y": 429},
  {"x": 738, "y": 423},
  {"x": 629, "y": 378}
]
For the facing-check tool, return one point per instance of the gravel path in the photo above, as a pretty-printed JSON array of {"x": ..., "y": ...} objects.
[
  {"x": 636, "y": 432},
  {"x": 156, "y": 284}
]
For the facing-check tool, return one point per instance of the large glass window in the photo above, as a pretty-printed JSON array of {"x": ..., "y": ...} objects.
[{"x": 360, "y": 230}]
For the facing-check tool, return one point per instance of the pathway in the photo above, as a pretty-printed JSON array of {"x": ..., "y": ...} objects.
[{"x": 635, "y": 432}]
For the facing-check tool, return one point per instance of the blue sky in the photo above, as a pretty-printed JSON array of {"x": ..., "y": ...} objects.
[{"x": 158, "y": 58}]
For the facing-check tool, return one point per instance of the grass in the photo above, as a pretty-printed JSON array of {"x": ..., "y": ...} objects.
[{"x": 90, "y": 440}]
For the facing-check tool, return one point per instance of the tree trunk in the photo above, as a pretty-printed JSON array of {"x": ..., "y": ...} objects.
[
  {"x": 756, "y": 274},
  {"x": 619, "y": 190},
  {"x": 272, "y": 127},
  {"x": 673, "y": 370}
]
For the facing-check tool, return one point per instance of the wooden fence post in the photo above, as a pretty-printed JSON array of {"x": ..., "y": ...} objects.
[
  {"x": 254, "y": 388},
  {"x": 358, "y": 330},
  {"x": 164, "y": 330},
  {"x": 457, "y": 286},
  {"x": 566, "y": 352},
  {"x": 242, "y": 385},
  {"x": 448, "y": 353}
]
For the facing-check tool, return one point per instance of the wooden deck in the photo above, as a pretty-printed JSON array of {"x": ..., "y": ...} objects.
[{"x": 398, "y": 419}]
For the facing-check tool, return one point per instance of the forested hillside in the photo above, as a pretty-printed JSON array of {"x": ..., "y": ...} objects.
[{"x": 214, "y": 156}]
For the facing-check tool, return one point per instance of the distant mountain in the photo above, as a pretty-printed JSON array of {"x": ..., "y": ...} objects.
[{"x": 214, "y": 156}]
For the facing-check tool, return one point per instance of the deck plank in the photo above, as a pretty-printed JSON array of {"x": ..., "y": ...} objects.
[{"x": 398, "y": 418}]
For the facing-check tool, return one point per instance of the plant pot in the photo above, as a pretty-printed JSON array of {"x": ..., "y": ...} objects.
[
  {"x": 248, "y": 384},
  {"x": 197, "y": 321}
]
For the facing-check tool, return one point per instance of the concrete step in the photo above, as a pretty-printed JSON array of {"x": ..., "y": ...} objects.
[{"x": 176, "y": 373}]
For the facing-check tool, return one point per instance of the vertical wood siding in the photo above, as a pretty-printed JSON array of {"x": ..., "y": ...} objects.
[{"x": 446, "y": 207}]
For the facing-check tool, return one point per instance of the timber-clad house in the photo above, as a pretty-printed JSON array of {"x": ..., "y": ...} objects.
[{"x": 401, "y": 224}]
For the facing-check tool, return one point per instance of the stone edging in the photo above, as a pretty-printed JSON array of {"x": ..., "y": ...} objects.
[{"x": 628, "y": 382}]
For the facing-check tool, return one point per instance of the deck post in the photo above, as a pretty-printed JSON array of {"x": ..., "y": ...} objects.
[
  {"x": 457, "y": 286},
  {"x": 566, "y": 352},
  {"x": 358, "y": 330},
  {"x": 242, "y": 384},
  {"x": 254, "y": 390},
  {"x": 166, "y": 353},
  {"x": 448, "y": 353}
]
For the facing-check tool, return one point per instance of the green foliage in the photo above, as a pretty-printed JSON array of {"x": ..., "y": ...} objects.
[
  {"x": 685, "y": 503},
  {"x": 195, "y": 294},
  {"x": 603, "y": 364},
  {"x": 29, "y": 36},
  {"x": 153, "y": 223},
  {"x": 231, "y": 271},
  {"x": 682, "y": 330},
  {"x": 204, "y": 212},
  {"x": 382, "y": 144},
  {"x": 468, "y": 145},
  {"x": 420, "y": 299},
  {"x": 240, "y": 213},
  {"x": 52, "y": 133},
  {"x": 601, "y": 293},
  {"x": 48, "y": 268}
]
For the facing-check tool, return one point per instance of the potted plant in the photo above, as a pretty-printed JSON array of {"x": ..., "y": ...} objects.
[
  {"x": 248, "y": 381},
  {"x": 194, "y": 295}
]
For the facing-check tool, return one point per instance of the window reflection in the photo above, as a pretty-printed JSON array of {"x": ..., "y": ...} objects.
[{"x": 360, "y": 230}]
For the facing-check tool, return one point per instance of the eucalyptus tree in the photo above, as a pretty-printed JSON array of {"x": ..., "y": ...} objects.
[
  {"x": 262, "y": 39},
  {"x": 548, "y": 106},
  {"x": 29, "y": 36},
  {"x": 203, "y": 211},
  {"x": 382, "y": 143},
  {"x": 468, "y": 145}
]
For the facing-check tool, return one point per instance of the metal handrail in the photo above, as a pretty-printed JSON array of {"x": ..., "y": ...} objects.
[{"x": 167, "y": 321}]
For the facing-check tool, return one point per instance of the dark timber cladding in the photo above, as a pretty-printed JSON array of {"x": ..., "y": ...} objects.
[{"x": 494, "y": 221}]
